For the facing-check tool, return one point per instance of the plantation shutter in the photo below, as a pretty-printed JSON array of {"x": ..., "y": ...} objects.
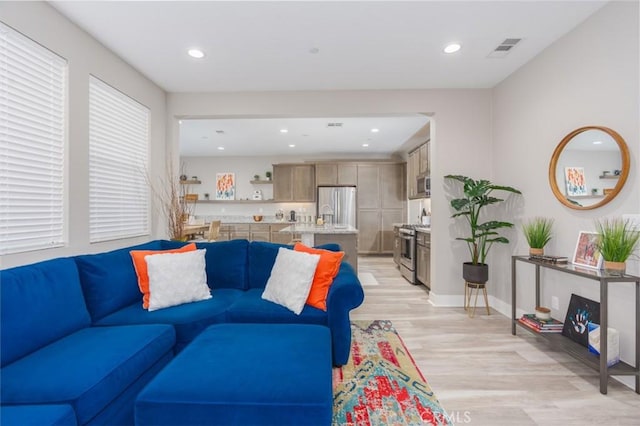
[
  {"x": 118, "y": 151},
  {"x": 32, "y": 137}
]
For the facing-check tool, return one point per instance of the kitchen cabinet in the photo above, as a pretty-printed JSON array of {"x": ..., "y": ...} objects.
[
  {"x": 336, "y": 174},
  {"x": 294, "y": 182},
  {"x": 260, "y": 232},
  {"x": 423, "y": 257},
  {"x": 381, "y": 203},
  {"x": 281, "y": 238}
]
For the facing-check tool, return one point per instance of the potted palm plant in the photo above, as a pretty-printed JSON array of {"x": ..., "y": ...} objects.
[
  {"x": 482, "y": 235},
  {"x": 617, "y": 240},
  {"x": 537, "y": 231}
]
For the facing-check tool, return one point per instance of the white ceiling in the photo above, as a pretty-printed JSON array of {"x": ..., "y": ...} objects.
[{"x": 265, "y": 46}]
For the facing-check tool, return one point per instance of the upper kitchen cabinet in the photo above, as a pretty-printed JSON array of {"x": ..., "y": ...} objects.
[
  {"x": 294, "y": 182},
  {"x": 336, "y": 174},
  {"x": 417, "y": 164}
]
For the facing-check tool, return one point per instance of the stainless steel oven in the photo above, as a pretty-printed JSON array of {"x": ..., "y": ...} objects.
[{"x": 408, "y": 254}]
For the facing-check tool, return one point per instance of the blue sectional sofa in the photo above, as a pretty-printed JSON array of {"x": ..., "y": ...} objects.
[{"x": 74, "y": 332}]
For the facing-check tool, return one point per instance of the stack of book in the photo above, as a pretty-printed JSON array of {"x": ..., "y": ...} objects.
[
  {"x": 541, "y": 326},
  {"x": 558, "y": 260}
]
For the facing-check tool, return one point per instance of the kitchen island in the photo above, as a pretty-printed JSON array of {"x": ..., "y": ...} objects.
[{"x": 314, "y": 235}]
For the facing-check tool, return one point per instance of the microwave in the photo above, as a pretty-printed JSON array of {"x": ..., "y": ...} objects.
[{"x": 424, "y": 186}]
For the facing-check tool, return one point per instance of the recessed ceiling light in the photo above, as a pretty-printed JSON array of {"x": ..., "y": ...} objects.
[
  {"x": 205, "y": 137},
  {"x": 284, "y": 131},
  {"x": 291, "y": 145},
  {"x": 452, "y": 47},
  {"x": 221, "y": 148},
  {"x": 314, "y": 50},
  {"x": 597, "y": 142},
  {"x": 375, "y": 130},
  {"x": 365, "y": 145},
  {"x": 196, "y": 53}
]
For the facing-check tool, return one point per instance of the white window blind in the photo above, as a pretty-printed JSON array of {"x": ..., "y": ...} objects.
[
  {"x": 32, "y": 138},
  {"x": 118, "y": 151}
]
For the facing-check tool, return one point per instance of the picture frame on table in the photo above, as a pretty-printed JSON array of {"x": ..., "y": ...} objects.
[{"x": 586, "y": 253}]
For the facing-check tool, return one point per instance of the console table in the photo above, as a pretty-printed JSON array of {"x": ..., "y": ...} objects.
[{"x": 576, "y": 350}]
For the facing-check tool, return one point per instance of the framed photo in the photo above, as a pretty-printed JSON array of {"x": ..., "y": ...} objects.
[
  {"x": 574, "y": 178},
  {"x": 225, "y": 186},
  {"x": 580, "y": 314},
  {"x": 586, "y": 253}
]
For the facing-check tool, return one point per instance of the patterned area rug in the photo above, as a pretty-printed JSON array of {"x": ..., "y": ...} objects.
[{"x": 380, "y": 384}]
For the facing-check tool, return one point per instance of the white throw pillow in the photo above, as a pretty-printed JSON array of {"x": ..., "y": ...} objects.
[
  {"x": 177, "y": 278},
  {"x": 291, "y": 278}
]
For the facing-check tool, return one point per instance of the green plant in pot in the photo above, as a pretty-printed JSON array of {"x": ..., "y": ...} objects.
[
  {"x": 482, "y": 235},
  {"x": 538, "y": 232},
  {"x": 617, "y": 240}
]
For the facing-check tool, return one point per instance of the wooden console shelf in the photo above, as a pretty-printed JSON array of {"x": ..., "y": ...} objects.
[{"x": 572, "y": 348}]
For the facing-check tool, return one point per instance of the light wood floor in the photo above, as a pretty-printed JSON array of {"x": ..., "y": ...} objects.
[{"x": 483, "y": 375}]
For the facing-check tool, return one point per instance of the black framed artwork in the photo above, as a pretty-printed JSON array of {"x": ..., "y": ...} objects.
[{"x": 580, "y": 314}]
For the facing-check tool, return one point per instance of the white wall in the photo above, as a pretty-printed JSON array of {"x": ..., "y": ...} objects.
[
  {"x": 85, "y": 56},
  {"x": 461, "y": 124},
  {"x": 589, "y": 77}
]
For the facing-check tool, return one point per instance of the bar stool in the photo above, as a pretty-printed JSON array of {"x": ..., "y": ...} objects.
[{"x": 468, "y": 293}]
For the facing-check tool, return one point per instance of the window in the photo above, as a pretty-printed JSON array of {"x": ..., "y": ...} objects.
[
  {"x": 32, "y": 138},
  {"x": 118, "y": 151}
]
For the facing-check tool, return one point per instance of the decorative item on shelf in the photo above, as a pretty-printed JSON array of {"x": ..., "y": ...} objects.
[
  {"x": 605, "y": 173},
  {"x": 268, "y": 175},
  {"x": 256, "y": 177},
  {"x": 594, "y": 191},
  {"x": 476, "y": 195},
  {"x": 617, "y": 172},
  {"x": 206, "y": 195},
  {"x": 543, "y": 313},
  {"x": 537, "y": 231},
  {"x": 616, "y": 240},
  {"x": 190, "y": 197},
  {"x": 257, "y": 195},
  {"x": 183, "y": 178},
  {"x": 613, "y": 343},
  {"x": 194, "y": 177},
  {"x": 580, "y": 314},
  {"x": 586, "y": 253}
]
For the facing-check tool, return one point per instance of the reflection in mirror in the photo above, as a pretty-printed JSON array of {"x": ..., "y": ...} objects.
[{"x": 589, "y": 167}]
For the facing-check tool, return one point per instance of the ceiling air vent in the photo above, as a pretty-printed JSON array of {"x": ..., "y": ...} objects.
[
  {"x": 220, "y": 132},
  {"x": 503, "y": 48},
  {"x": 334, "y": 124}
]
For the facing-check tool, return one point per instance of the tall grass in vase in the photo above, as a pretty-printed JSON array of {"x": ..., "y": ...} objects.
[
  {"x": 538, "y": 232},
  {"x": 617, "y": 240}
]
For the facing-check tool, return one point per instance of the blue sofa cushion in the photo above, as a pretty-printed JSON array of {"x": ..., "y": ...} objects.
[
  {"x": 37, "y": 415},
  {"x": 189, "y": 319},
  {"x": 109, "y": 280},
  {"x": 244, "y": 374},
  {"x": 250, "y": 307},
  {"x": 262, "y": 256},
  {"x": 40, "y": 303},
  {"x": 87, "y": 369},
  {"x": 226, "y": 263}
]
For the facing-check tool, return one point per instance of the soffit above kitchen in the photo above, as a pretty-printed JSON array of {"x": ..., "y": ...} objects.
[
  {"x": 326, "y": 45},
  {"x": 307, "y": 137}
]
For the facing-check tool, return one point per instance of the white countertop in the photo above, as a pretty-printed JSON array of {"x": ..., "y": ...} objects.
[
  {"x": 423, "y": 229},
  {"x": 319, "y": 229}
]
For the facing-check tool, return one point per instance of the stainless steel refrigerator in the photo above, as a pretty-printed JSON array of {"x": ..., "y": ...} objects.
[{"x": 337, "y": 204}]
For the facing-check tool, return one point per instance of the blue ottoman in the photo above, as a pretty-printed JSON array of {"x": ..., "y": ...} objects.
[{"x": 244, "y": 374}]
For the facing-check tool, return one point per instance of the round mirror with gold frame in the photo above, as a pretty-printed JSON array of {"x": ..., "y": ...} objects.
[{"x": 589, "y": 167}]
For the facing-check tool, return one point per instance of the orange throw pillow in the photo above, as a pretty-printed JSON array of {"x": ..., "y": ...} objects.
[
  {"x": 326, "y": 271},
  {"x": 140, "y": 266}
]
